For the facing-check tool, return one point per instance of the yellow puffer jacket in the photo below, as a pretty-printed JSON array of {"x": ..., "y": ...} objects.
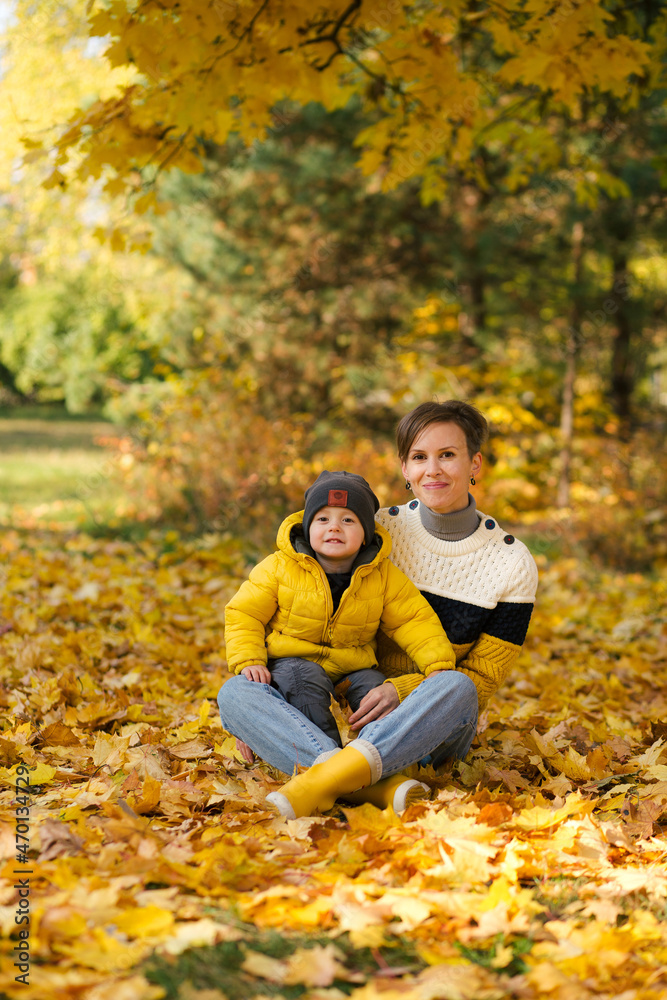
[{"x": 285, "y": 608}]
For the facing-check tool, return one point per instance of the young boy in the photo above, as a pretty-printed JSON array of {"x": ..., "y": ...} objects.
[{"x": 309, "y": 613}]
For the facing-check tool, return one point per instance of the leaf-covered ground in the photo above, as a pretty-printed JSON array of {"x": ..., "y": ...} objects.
[{"x": 539, "y": 869}]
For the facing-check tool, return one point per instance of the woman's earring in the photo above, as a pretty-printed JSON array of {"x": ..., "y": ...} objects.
[
  {"x": 472, "y": 480},
  {"x": 407, "y": 485}
]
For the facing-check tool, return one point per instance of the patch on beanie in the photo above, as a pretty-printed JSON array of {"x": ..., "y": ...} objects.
[{"x": 337, "y": 498}]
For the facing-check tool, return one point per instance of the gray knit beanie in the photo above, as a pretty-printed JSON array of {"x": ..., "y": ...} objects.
[{"x": 342, "y": 489}]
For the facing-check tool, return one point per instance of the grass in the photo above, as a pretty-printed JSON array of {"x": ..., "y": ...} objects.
[
  {"x": 486, "y": 957},
  {"x": 220, "y": 966},
  {"x": 53, "y": 470}
]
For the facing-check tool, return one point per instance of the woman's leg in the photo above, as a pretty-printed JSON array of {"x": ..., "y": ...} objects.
[
  {"x": 277, "y": 732},
  {"x": 441, "y": 713},
  {"x": 308, "y": 688},
  {"x": 396, "y": 789}
]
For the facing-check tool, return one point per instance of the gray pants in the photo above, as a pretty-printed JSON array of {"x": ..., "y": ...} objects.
[{"x": 308, "y": 687}]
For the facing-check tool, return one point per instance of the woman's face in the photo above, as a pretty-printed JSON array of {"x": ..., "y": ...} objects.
[{"x": 439, "y": 468}]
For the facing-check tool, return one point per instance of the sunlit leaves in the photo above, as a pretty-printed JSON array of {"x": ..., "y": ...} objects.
[
  {"x": 423, "y": 71},
  {"x": 538, "y": 866}
]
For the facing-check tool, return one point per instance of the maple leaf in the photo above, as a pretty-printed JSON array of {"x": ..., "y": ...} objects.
[
  {"x": 59, "y": 735},
  {"x": 191, "y": 749},
  {"x": 56, "y": 840}
]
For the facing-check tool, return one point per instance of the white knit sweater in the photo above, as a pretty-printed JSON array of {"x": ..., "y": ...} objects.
[
  {"x": 482, "y": 569},
  {"x": 482, "y": 587}
]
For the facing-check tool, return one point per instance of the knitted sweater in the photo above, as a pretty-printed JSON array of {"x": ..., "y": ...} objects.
[{"x": 481, "y": 587}]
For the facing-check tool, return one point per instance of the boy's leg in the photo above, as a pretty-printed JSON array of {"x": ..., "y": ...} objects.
[
  {"x": 308, "y": 687},
  {"x": 277, "y": 732},
  {"x": 360, "y": 683}
]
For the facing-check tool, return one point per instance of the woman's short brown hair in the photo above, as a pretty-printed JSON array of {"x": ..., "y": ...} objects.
[{"x": 452, "y": 411}]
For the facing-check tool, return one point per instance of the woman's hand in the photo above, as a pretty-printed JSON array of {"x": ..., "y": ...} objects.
[
  {"x": 245, "y": 751},
  {"x": 375, "y": 705},
  {"x": 257, "y": 672}
]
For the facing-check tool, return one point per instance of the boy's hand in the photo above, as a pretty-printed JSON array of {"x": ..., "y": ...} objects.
[
  {"x": 245, "y": 751},
  {"x": 257, "y": 672},
  {"x": 375, "y": 705}
]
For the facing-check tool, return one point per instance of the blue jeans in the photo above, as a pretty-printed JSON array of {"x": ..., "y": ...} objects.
[
  {"x": 308, "y": 687},
  {"x": 438, "y": 718}
]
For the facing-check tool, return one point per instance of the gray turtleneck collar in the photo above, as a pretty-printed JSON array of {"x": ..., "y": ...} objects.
[{"x": 451, "y": 527}]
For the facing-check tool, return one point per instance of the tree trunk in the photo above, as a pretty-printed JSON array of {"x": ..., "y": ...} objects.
[
  {"x": 472, "y": 317},
  {"x": 622, "y": 369},
  {"x": 571, "y": 354},
  {"x": 7, "y": 380}
]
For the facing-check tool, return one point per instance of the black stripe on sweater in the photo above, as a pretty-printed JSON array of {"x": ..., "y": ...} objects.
[{"x": 464, "y": 623}]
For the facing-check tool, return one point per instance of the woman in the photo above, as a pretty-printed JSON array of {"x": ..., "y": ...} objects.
[{"x": 480, "y": 581}]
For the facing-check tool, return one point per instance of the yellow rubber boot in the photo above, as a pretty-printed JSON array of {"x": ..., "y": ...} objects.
[
  {"x": 398, "y": 791},
  {"x": 322, "y": 784}
]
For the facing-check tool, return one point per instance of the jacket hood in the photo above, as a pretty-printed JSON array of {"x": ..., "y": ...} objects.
[{"x": 292, "y": 542}]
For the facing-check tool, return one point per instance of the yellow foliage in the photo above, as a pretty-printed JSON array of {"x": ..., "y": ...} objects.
[
  {"x": 556, "y": 837},
  {"x": 173, "y": 73}
]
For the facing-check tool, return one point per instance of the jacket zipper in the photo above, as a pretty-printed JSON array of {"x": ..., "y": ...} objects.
[{"x": 329, "y": 627}]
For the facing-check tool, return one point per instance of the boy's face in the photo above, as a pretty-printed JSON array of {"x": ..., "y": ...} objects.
[{"x": 336, "y": 533}]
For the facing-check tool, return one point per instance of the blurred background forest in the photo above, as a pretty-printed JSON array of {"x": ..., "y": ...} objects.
[{"x": 237, "y": 323}]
